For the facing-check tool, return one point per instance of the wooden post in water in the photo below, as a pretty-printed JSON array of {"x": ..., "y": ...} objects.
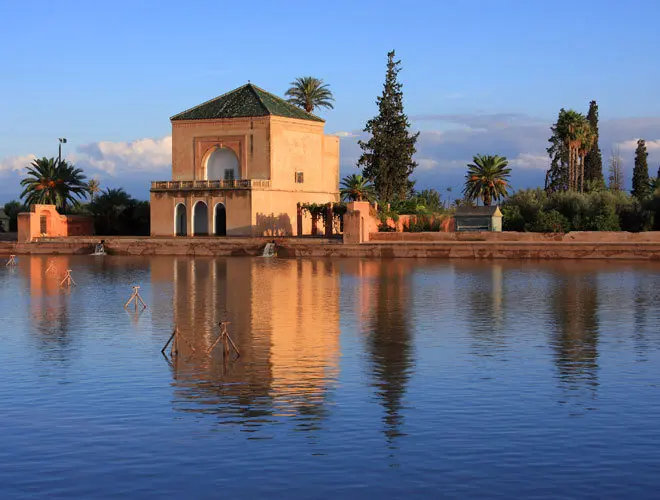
[
  {"x": 225, "y": 339},
  {"x": 68, "y": 280},
  {"x": 136, "y": 298},
  {"x": 51, "y": 267},
  {"x": 11, "y": 262}
]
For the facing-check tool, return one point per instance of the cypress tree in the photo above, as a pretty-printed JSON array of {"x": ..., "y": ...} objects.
[
  {"x": 387, "y": 158},
  {"x": 640, "y": 181},
  {"x": 593, "y": 162},
  {"x": 556, "y": 178}
]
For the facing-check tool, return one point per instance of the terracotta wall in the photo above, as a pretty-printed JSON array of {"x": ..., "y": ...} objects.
[
  {"x": 237, "y": 204},
  {"x": 31, "y": 224},
  {"x": 248, "y": 137},
  {"x": 360, "y": 222},
  {"x": 300, "y": 146}
]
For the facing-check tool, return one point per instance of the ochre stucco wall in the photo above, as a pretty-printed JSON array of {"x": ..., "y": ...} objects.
[
  {"x": 271, "y": 148},
  {"x": 193, "y": 140},
  {"x": 29, "y": 224}
]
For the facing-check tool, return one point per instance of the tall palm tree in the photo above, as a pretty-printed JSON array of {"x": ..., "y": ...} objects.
[
  {"x": 93, "y": 188},
  {"x": 310, "y": 93},
  {"x": 53, "y": 182},
  {"x": 487, "y": 179},
  {"x": 575, "y": 131},
  {"x": 354, "y": 187}
]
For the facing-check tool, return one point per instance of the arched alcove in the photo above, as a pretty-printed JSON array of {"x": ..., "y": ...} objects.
[
  {"x": 222, "y": 165},
  {"x": 220, "y": 220},
  {"x": 200, "y": 219},
  {"x": 180, "y": 220}
]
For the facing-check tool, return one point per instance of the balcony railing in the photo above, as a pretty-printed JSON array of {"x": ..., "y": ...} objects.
[{"x": 192, "y": 185}]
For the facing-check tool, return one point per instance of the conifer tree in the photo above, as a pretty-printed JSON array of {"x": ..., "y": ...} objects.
[
  {"x": 387, "y": 158},
  {"x": 640, "y": 179},
  {"x": 593, "y": 162}
]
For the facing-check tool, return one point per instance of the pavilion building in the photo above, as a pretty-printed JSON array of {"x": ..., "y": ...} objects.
[{"x": 241, "y": 165}]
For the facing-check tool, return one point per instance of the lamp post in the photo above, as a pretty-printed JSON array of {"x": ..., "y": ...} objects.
[{"x": 62, "y": 141}]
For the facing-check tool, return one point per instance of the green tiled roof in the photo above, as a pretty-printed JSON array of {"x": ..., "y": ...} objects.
[{"x": 248, "y": 100}]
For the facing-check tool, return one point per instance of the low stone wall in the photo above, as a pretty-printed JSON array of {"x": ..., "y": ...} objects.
[
  {"x": 570, "y": 246},
  {"x": 582, "y": 236}
]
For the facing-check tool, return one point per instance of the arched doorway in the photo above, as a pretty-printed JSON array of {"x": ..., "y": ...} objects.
[
  {"x": 180, "y": 220},
  {"x": 220, "y": 218},
  {"x": 200, "y": 219},
  {"x": 222, "y": 165}
]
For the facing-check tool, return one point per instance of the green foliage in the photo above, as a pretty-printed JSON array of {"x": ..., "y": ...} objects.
[
  {"x": 118, "y": 213},
  {"x": 422, "y": 223},
  {"x": 550, "y": 222},
  {"x": 534, "y": 210},
  {"x": 387, "y": 158},
  {"x": 640, "y": 180},
  {"x": 53, "y": 182},
  {"x": 487, "y": 179},
  {"x": 310, "y": 93},
  {"x": 355, "y": 187},
  {"x": 12, "y": 209},
  {"x": 593, "y": 161},
  {"x": 572, "y": 138},
  {"x": 430, "y": 200}
]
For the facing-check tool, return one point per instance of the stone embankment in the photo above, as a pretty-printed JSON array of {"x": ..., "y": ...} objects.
[{"x": 578, "y": 245}]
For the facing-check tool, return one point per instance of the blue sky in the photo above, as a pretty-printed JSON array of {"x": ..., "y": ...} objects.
[{"x": 479, "y": 76}]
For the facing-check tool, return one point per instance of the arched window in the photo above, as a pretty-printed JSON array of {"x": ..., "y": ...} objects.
[{"x": 222, "y": 165}]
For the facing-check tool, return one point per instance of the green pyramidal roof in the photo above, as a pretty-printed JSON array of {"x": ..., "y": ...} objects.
[{"x": 248, "y": 100}]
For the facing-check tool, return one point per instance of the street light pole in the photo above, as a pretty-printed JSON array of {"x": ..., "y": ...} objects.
[{"x": 62, "y": 141}]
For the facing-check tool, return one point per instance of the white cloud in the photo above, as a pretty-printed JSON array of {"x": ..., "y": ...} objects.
[
  {"x": 631, "y": 145},
  {"x": 16, "y": 163},
  {"x": 344, "y": 135},
  {"x": 115, "y": 158},
  {"x": 530, "y": 161},
  {"x": 426, "y": 164}
]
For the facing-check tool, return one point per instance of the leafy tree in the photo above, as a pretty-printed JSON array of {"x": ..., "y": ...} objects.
[
  {"x": 616, "y": 171},
  {"x": 571, "y": 139},
  {"x": 593, "y": 162},
  {"x": 310, "y": 93},
  {"x": 487, "y": 179},
  {"x": 430, "y": 199},
  {"x": 93, "y": 188},
  {"x": 640, "y": 180},
  {"x": 387, "y": 158},
  {"x": 355, "y": 187},
  {"x": 655, "y": 184},
  {"x": 556, "y": 178},
  {"x": 117, "y": 212},
  {"x": 53, "y": 182},
  {"x": 12, "y": 209}
]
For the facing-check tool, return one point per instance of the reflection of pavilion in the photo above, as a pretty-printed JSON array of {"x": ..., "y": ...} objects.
[{"x": 284, "y": 317}]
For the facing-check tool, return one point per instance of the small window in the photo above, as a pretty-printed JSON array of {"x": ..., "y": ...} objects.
[
  {"x": 229, "y": 174},
  {"x": 43, "y": 224},
  {"x": 300, "y": 178}
]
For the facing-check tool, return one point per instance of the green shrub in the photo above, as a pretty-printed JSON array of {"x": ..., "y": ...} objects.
[{"x": 550, "y": 222}]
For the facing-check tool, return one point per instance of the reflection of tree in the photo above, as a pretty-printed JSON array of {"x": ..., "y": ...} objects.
[
  {"x": 481, "y": 294},
  {"x": 575, "y": 307},
  {"x": 390, "y": 343}
]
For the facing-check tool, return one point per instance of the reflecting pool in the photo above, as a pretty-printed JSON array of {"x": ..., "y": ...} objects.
[{"x": 359, "y": 378}]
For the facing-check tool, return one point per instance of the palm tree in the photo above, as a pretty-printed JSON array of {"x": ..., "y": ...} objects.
[
  {"x": 575, "y": 131},
  {"x": 53, "y": 182},
  {"x": 310, "y": 93},
  {"x": 93, "y": 188},
  {"x": 110, "y": 209},
  {"x": 487, "y": 179},
  {"x": 354, "y": 187}
]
